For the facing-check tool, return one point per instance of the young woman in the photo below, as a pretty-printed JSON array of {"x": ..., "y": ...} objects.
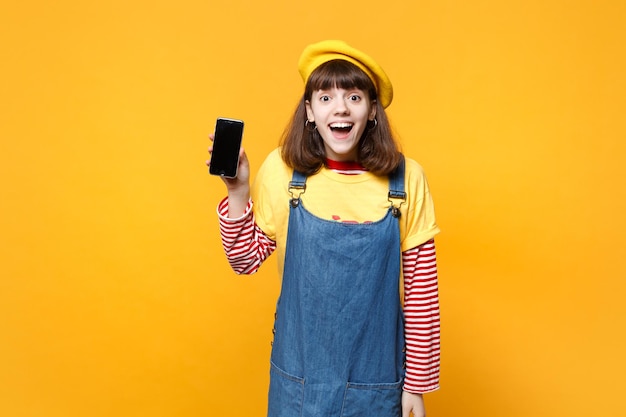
[{"x": 349, "y": 217}]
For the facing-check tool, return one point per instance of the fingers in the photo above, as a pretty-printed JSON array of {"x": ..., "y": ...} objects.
[
  {"x": 412, "y": 404},
  {"x": 243, "y": 160},
  {"x": 212, "y": 138}
]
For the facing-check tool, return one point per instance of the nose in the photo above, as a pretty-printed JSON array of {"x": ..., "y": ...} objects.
[{"x": 341, "y": 107}]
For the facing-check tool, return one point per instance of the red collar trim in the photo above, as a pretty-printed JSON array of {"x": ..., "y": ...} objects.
[{"x": 344, "y": 165}]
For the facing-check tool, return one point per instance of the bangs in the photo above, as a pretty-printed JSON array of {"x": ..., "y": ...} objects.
[{"x": 339, "y": 73}]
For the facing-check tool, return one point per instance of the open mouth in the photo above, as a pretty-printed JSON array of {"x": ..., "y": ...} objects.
[{"x": 341, "y": 127}]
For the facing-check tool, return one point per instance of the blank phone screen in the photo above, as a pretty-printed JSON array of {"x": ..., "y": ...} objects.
[{"x": 226, "y": 145}]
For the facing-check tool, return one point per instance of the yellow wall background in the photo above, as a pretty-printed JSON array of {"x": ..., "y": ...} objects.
[{"x": 115, "y": 297}]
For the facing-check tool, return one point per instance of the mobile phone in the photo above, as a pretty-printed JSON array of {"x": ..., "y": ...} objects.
[{"x": 226, "y": 144}]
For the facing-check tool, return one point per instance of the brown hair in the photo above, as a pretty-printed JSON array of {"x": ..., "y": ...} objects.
[{"x": 302, "y": 145}]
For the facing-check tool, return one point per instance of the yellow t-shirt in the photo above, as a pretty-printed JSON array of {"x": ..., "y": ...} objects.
[{"x": 345, "y": 198}]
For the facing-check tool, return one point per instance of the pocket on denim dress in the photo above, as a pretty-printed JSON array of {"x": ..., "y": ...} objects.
[
  {"x": 372, "y": 400},
  {"x": 285, "y": 394}
]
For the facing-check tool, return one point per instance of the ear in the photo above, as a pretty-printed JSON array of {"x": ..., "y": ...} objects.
[
  {"x": 372, "y": 115},
  {"x": 309, "y": 111}
]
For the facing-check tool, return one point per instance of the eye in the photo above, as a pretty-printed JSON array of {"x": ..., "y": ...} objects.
[
  {"x": 324, "y": 98},
  {"x": 354, "y": 97}
]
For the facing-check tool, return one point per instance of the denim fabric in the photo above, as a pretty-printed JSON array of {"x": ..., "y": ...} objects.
[{"x": 339, "y": 334}]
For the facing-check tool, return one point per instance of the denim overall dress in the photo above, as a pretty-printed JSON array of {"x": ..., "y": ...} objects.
[{"x": 338, "y": 347}]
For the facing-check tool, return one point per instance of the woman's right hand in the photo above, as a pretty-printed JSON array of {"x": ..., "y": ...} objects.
[
  {"x": 239, "y": 187},
  {"x": 243, "y": 169}
]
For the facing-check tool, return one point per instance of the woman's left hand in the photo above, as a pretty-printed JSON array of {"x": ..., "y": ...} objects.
[{"x": 413, "y": 403}]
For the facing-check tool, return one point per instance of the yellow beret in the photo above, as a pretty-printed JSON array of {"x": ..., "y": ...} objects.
[{"x": 318, "y": 53}]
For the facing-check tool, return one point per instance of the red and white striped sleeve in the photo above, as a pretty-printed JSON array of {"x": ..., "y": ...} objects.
[
  {"x": 422, "y": 321},
  {"x": 245, "y": 244}
]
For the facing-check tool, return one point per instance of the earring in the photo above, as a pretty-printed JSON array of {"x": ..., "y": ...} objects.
[
  {"x": 308, "y": 125},
  {"x": 375, "y": 124}
]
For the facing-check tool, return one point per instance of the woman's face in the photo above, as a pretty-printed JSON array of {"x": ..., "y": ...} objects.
[{"x": 341, "y": 117}]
